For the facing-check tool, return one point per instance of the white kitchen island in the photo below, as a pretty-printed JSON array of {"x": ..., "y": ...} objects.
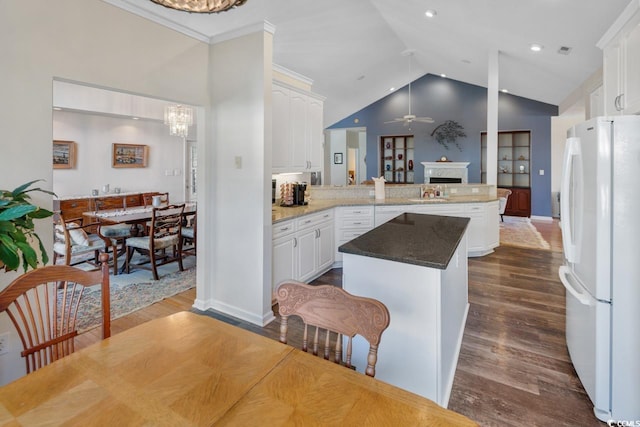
[{"x": 416, "y": 265}]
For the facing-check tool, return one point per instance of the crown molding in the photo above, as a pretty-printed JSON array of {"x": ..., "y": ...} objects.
[{"x": 265, "y": 26}]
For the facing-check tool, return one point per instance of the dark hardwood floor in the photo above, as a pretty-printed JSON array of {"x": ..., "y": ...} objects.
[{"x": 514, "y": 369}]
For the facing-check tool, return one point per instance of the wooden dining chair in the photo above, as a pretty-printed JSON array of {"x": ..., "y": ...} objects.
[
  {"x": 43, "y": 305},
  {"x": 165, "y": 233},
  {"x": 190, "y": 234},
  {"x": 503, "y": 197},
  {"x": 333, "y": 310},
  {"x": 72, "y": 241},
  {"x": 114, "y": 235}
]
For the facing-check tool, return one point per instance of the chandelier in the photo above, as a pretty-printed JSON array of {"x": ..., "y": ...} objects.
[
  {"x": 179, "y": 118},
  {"x": 201, "y": 6}
]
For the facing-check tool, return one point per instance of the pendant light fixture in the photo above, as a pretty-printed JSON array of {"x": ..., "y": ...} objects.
[
  {"x": 201, "y": 6},
  {"x": 178, "y": 118}
]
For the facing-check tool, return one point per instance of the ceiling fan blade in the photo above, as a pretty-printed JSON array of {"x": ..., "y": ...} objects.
[
  {"x": 394, "y": 121},
  {"x": 423, "y": 119}
]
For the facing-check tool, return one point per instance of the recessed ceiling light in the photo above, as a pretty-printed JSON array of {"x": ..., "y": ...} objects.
[
  {"x": 430, "y": 13},
  {"x": 57, "y": 108},
  {"x": 391, "y": 89},
  {"x": 443, "y": 75},
  {"x": 505, "y": 91},
  {"x": 135, "y": 118},
  {"x": 536, "y": 47}
]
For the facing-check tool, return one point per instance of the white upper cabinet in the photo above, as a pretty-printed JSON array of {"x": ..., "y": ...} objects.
[
  {"x": 621, "y": 63},
  {"x": 297, "y": 130},
  {"x": 281, "y": 138}
]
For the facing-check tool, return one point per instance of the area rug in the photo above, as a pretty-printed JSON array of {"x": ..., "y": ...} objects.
[
  {"x": 132, "y": 297},
  {"x": 517, "y": 231}
]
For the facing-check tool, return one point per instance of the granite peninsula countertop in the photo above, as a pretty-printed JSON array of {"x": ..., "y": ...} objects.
[
  {"x": 280, "y": 213},
  {"x": 419, "y": 239}
]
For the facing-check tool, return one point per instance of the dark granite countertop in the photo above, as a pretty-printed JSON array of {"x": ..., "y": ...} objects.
[{"x": 420, "y": 239}]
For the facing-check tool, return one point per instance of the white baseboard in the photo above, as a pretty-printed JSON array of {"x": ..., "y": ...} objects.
[{"x": 541, "y": 218}]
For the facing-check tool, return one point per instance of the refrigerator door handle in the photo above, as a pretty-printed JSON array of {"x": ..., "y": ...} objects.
[
  {"x": 571, "y": 215},
  {"x": 565, "y": 273}
]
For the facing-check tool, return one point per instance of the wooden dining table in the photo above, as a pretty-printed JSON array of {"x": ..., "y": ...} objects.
[
  {"x": 190, "y": 369},
  {"x": 134, "y": 215}
]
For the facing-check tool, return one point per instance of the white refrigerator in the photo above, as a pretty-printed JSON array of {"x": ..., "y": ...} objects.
[{"x": 600, "y": 220}]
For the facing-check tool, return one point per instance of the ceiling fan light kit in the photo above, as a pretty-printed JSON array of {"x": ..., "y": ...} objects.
[
  {"x": 201, "y": 6},
  {"x": 407, "y": 119}
]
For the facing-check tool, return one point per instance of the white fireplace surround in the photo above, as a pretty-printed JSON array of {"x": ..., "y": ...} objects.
[{"x": 446, "y": 170}]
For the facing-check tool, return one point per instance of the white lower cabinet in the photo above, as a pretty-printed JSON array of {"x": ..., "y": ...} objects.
[
  {"x": 284, "y": 254},
  {"x": 315, "y": 240},
  {"x": 351, "y": 222},
  {"x": 302, "y": 248},
  {"x": 482, "y": 232}
]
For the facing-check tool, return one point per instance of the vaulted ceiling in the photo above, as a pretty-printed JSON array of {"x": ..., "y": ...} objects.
[{"x": 352, "y": 49}]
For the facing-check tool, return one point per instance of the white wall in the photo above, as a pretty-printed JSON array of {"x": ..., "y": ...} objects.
[
  {"x": 94, "y": 136},
  {"x": 337, "y": 144},
  {"x": 83, "y": 41}
]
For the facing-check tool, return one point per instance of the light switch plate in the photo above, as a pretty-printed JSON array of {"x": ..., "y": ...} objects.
[{"x": 541, "y": 172}]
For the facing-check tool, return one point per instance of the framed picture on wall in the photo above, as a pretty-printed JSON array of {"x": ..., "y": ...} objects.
[
  {"x": 64, "y": 154},
  {"x": 129, "y": 156},
  {"x": 337, "y": 158}
]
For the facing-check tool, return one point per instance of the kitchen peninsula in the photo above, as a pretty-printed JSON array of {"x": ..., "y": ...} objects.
[
  {"x": 416, "y": 265},
  {"x": 305, "y": 239}
]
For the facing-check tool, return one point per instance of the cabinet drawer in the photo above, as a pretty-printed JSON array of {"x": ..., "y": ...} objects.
[
  {"x": 133, "y": 200},
  {"x": 347, "y": 235},
  {"x": 356, "y": 211},
  {"x": 73, "y": 209},
  {"x": 283, "y": 228},
  {"x": 475, "y": 208},
  {"x": 309, "y": 221},
  {"x": 357, "y": 222},
  {"x": 103, "y": 203}
]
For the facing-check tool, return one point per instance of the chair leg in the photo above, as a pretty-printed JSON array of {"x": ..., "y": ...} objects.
[
  {"x": 154, "y": 268},
  {"x": 114, "y": 249},
  {"x": 502, "y": 217},
  {"x": 128, "y": 259},
  {"x": 180, "y": 257}
]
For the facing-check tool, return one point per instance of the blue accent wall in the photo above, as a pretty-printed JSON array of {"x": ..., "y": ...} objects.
[{"x": 445, "y": 99}]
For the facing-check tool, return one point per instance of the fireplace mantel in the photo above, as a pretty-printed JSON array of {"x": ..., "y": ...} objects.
[{"x": 446, "y": 170}]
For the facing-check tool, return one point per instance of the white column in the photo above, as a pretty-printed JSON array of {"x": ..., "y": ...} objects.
[
  {"x": 492, "y": 117},
  {"x": 240, "y": 162}
]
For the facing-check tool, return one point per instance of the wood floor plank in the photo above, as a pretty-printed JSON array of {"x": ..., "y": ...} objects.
[{"x": 514, "y": 368}]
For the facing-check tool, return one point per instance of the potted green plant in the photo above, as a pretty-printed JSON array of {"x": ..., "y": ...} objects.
[{"x": 17, "y": 228}]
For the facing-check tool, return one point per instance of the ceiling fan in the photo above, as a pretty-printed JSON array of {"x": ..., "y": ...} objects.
[{"x": 407, "y": 119}]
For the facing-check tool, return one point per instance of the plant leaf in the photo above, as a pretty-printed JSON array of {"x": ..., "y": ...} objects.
[
  {"x": 43, "y": 251},
  {"x": 16, "y": 212},
  {"x": 7, "y": 227},
  {"x": 29, "y": 256},
  {"x": 23, "y": 187},
  {"x": 9, "y": 253},
  {"x": 40, "y": 213}
]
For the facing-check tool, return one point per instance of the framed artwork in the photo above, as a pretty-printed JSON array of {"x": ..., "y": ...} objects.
[
  {"x": 337, "y": 158},
  {"x": 130, "y": 156},
  {"x": 64, "y": 154}
]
